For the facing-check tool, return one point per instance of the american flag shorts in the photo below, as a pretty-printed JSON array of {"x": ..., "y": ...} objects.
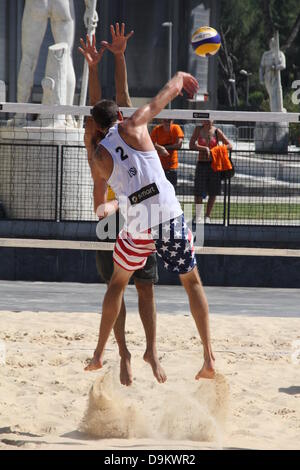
[{"x": 172, "y": 240}]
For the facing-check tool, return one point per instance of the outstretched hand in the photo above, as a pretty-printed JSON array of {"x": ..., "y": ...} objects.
[
  {"x": 119, "y": 39},
  {"x": 190, "y": 84},
  {"x": 89, "y": 51}
]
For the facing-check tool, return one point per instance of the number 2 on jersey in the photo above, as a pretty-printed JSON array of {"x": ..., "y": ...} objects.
[{"x": 121, "y": 151}]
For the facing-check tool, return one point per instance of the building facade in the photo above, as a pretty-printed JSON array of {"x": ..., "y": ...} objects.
[{"x": 147, "y": 53}]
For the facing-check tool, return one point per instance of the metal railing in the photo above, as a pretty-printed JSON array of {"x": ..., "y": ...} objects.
[{"x": 53, "y": 182}]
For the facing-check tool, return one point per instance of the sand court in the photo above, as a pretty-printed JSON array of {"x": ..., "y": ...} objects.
[{"x": 47, "y": 401}]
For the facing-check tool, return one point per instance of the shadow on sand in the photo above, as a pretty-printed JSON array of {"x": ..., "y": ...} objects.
[{"x": 293, "y": 390}]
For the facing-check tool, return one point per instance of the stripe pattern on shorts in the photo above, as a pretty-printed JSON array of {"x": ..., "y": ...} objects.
[{"x": 132, "y": 253}]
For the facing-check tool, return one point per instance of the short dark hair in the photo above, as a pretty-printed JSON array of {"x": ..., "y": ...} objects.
[{"x": 105, "y": 113}]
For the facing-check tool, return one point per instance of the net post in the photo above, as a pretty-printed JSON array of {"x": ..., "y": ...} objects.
[
  {"x": 57, "y": 186},
  {"x": 61, "y": 182}
]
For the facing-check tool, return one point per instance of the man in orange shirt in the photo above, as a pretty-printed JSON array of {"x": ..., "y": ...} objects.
[{"x": 167, "y": 139}]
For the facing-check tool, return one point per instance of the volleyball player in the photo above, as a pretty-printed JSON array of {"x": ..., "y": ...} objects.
[
  {"x": 147, "y": 276},
  {"x": 128, "y": 161}
]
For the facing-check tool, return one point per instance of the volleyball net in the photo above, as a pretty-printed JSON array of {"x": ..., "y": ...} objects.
[{"x": 46, "y": 189}]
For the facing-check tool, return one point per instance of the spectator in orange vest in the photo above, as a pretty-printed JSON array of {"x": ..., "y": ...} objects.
[{"x": 167, "y": 139}]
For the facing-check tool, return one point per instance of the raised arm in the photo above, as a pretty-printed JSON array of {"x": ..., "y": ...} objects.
[
  {"x": 95, "y": 90},
  {"x": 172, "y": 89},
  {"x": 118, "y": 48},
  {"x": 92, "y": 56},
  {"x": 92, "y": 135},
  {"x": 122, "y": 92}
]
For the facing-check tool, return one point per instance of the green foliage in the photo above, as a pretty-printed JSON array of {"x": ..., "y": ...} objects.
[
  {"x": 256, "y": 99},
  {"x": 289, "y": 105},
  {"x": 247, "y": 38}
]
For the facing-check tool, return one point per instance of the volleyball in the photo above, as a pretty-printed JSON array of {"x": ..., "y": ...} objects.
[{"x": 206, "y": 41}]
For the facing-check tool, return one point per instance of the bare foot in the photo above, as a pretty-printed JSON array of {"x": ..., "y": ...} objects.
[
  {"x": 207, "y": 371},
  {"x": 125, "y": 370},
  {"x": 157, "y": 369},
  {"x": 95, "y": 364}
]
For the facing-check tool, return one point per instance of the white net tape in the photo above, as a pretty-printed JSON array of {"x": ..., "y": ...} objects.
[{"x": 181, "y": 114}]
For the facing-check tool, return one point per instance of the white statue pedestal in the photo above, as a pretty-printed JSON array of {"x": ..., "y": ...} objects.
[
  {"x": 271, "y": 137},
  {"x": 45, "y": 174}
]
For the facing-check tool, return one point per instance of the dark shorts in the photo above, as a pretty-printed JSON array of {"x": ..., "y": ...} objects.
[
  {"x": 105, "y": 267},
  {"x": 206, "y": 180},
  {"x": 171, "y": 175}
]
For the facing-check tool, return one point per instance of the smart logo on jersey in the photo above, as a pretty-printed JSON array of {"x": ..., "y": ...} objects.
[{"x": 143, "y": 194}]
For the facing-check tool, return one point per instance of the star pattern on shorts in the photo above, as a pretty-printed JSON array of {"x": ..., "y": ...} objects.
[
  {"x": 180, "y": 258},
  {"x": 175, "y": 247}
]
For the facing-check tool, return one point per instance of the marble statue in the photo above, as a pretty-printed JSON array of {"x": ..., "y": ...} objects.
[
  {"x": 272, "y": 62},
  {"x": 59, "y": 64},
  {"x": 34, "y": 24},
  {"x": 272, "y": 137}
]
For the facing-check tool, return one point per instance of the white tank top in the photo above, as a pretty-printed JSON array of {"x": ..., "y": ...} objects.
[{"x": 146, "y": 197}]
